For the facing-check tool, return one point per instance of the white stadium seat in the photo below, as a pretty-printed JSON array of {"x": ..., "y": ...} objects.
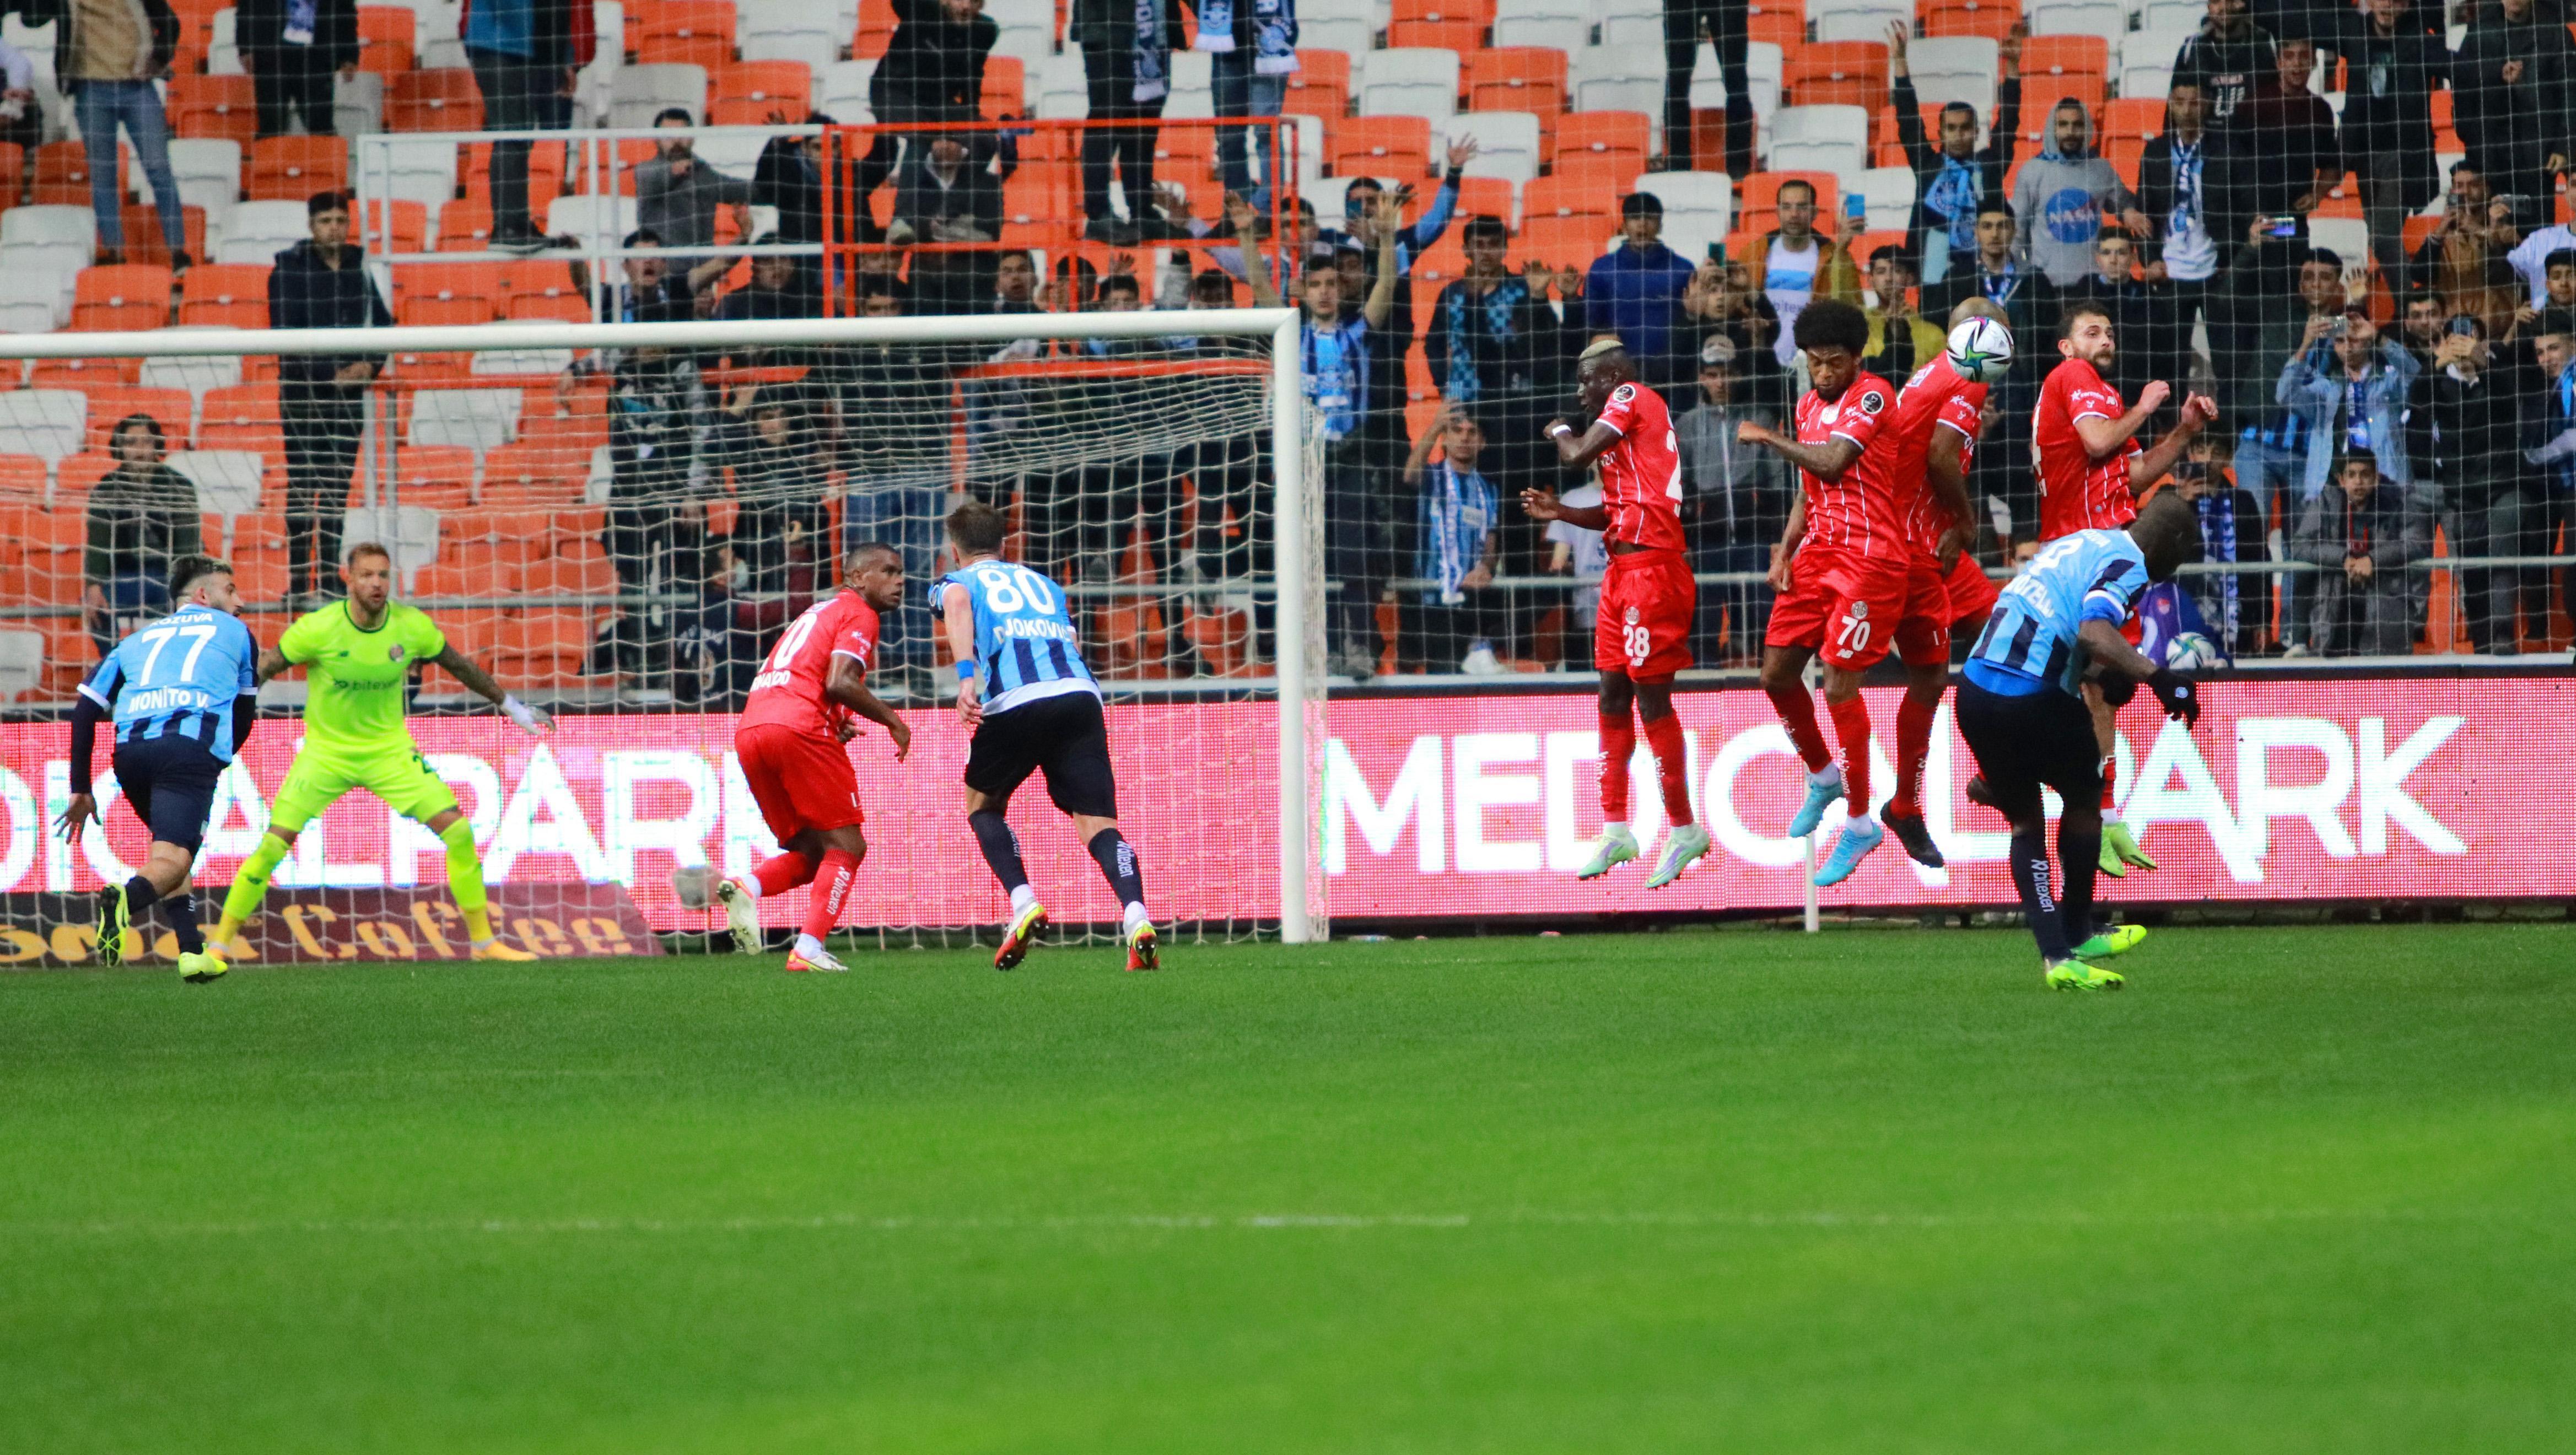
[
  {"x": 1699, "y": 207},
  {"x": 197, "y": 376},
  {"x": 644, "y": 90},
  {"x": 478, "y": 419},
  {"x": 54, "y": 223},
  {"x": 1608, "y": 79},
  {"x": 1955, "y": 68},
  {"x": 2108, "y": 19},
  {"x": 1409, "y": 81},
  {"x": 1858, "y": 19},
  {"x": 47, "y": 423},
  {"x": 841, "y": 90},
  {"x": 1819, "y": 139},
  {"x": 1889, "y": 192},
  {"x": 227, "y": 481},
  {"x": 1507, "y": 143},
  {"x": 22, "y": 655}
]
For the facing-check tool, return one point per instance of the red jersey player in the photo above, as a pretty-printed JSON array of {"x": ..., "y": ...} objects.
[
  {"x": 1642, "y": 636},
  {"x": 2091, "y": 473},
  {"x": 1934, "y": 430},
  {"x": 1844, "y": 571},
  {"x": 789, "y": 739}
]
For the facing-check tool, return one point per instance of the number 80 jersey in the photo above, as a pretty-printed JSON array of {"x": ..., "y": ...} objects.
[{"x": 1025, "y": 644}]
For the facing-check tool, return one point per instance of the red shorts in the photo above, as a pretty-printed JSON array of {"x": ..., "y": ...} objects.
[
  {"x": 799, "y": 780},
  {"x": 1972, "y": 594},
  {"x": 1851, "y": 609},
  {"x": 1647, "y": 600}
]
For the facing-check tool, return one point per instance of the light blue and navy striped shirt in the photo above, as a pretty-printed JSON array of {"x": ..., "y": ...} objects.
[
  {"x": 179, "y": 675},
  {"x": 2029, "y": 645},
  {"x": 1025, "y": 643}
]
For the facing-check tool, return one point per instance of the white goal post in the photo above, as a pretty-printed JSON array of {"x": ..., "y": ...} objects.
[{"x": 1295, "y": 678}]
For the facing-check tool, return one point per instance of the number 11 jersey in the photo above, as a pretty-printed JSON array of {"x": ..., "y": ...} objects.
[{"x": 1025, "y": 643}]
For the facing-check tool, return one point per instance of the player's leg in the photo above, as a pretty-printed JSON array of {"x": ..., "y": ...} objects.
[
  {"x": 1923, "y": 645},
  {"x": 401, "y": 777},
  {"x": 1618, "y": 740},
  {"x": 1081, "y": 782},
  {"x": 1861, "y": 830},
  {"x": 1688, "y": 839},
  {"x": 998, "y": 761},
  {"x": 2005, "y": 735},
  {"x": 1797, "y": 627},
  {"x": 838, "y": 851},
  {"x": 178, "y": 779},
  {"x": 1861, "y": 627},
  {"x": 2120, "y": 848},
  {"x": 768, "y": 774},
  {"x": 313, "y": 783}
]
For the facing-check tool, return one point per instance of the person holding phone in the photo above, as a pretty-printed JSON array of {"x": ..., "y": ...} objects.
[{"x": 1796, "y": 263}]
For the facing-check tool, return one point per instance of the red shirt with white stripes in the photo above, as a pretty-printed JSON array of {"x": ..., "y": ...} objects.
[
  {"x": 1936, "y": 395},
  {"x": 2076, "y": 491},
  {"x": 1641, "y": 475},
  {"x": 1861, "y": 512},
  {"x": 788, "y": 691}
]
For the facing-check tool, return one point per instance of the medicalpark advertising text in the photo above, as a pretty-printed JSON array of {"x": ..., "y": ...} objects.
[{"x": 1433, "y": 807}]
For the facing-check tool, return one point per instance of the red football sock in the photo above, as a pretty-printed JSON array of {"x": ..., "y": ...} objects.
[
  {"x": 1618, "y": 745},
  {"x": 1851, "y": 733},
  {"x": 1797, "y": 709},
  {"x": 2109, "y": 766},
  {"x": 831, "y": 891},
  {"x": 778, "y": 875},
  {"x": 1672, "y": 766},
  {"x": 1913, "y": 745}
]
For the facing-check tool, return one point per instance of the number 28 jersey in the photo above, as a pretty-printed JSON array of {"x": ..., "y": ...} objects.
[
  {"x": 1641, "y": 476},
  {"x": 1025, "y": 644},
  {"x": 788, "y": 692}
]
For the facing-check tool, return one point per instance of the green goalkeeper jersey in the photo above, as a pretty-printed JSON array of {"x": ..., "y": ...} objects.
[{"x": 355, "y": 676}]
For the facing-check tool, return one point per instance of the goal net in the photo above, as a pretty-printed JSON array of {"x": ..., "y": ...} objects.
[{"x": 618, "y": 521}]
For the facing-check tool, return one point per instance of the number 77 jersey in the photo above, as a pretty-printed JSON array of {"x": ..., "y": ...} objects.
[
  {"x": 1025, "y": 643},
  {"x": 180, "y": 675}
]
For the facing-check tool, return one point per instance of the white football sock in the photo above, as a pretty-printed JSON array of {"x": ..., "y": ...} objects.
[
  {"x": 749, "y": 884},
  {"x": 1615, "y": 826},
  {"x": 1135, "y": 917},
  {"x": 1022, "y": 898},
  {"x": 808, "y": 945},
  {"x": 1830, "y": 773}
]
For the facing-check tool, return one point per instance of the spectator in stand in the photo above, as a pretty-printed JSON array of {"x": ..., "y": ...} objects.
[
  {"x": 1127, "y": 69},
  {"x": 1723, "y": 304},
  {"x": 1735, "y": 506},
  {"x": 2421, "y": 328},
  {"x": 771, "y": 437},
  {"x": 1788, "y": 267},
  {"x": 1252, "y": 46},
  {"x": 1449, "y": 624},
  {"x": 1496, "y": 350},
  {"x": 948, "y": 194},
  {"x": 1723, "y": 23},
  {"x": 294, "y": 49},
  {"x": 321, "y": 282},
  {"x": 2141, "y": 315},
  {"x": 1901, "y": 339},
  {"x": 1337, "y": 362},
  {"x": 2235, "y": 605},
  {"x": 2223, "y": 60},
  {"x": 2535, "y": 263},
  {"x": 1951, "y": 180},
  {"x": 2272, "y": 441},
  {"x": 2514, "y": 80},
  {"x": 2549, "y": 425},
  {"x": 1359, "y": 205},
  {"x": 2064, "y": 195},
  {"x": 2394, "y": 58},
  {"x": 789, "y": 177},
  {"x": 656, "y": 521},
  {"x": 896, "y": 472},
  {"x": 22, "y": 119},
  {"x": 676, "y": 194},
  {"x": 651, "y": 278},
  {"x": 2468, "y": 260},
  {"x": 2173, "y": 191},
  {"x": 2002, "y": 467},
  {"x": 932, "y": 73},
  {"x": 1000, "y": 416},
  {"x": 2354, "y": 404},
  {"x": 525, "y": 54},
  {"x": 106, "y": 55},
  {"x": 2465, "y": 430},
  {"x": 2365, "y": 532},
  {"x": 142, "y": 517},
  {"x": 2285, "y": 157},
  {"x": 1577, "y": 552}
]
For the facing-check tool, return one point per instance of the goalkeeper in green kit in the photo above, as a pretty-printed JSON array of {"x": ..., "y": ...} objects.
[{"x": 357, "y": 655}]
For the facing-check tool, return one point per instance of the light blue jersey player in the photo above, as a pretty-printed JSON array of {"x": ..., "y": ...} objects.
[
  {"x": 2024, "y": 718},
  {"x": 180, "y": 692},
  {"x": 1034, "y": 707}
]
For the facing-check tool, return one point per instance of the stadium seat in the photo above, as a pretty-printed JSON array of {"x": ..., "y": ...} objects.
[
  {"x": 1382, "y": 146},
  {"x": 544, "y": 646},
  {"x": 32, "y": 299},
  {"x": 1616, "y": 139},
  {"x": 1517, "y": 79},
  {"x": 876, "y": 22},
  {"x": 110, "y": 405},
  {"x": 1889, "y": 194},
  {"x": 209, "y": 173},
  {"x": 479, "y": 420},
  {"x": 386, "y": 34},
  {"x": 2049, "y": 60},
  {"x": 76, "y": 475},
  {"x": 786, "y": 87},
  {"x": 534, "y": 472},
  {"x": 644, "y": 90},
  {"x": 1453, "y": 35},
  {"x": 1842, "y": 73},
  {"x": 685, "y": 32},
  {"x": 841, "y": 90},
  {"x": 1819, "y": 138},
  {"x": 228, "y": 482},
  {"x": 1631, "y": 25},
  {"x": 1699, "y": 208},
  {"x": 1418, "y": 83},
  {"x": 221, "y": 107},
  {"x": 22, "y": 479},
  {"x": 1565, "y": 242},
  {"x": 1558, "y": 25},
  {"x": 46, "y": 423},
  {"x": 1606, "y": 78},
  {"x": 1955, "y": 68},
  {"x": 449, "y": 282},
  {"x": 446, "y": 312},
  {"x": 293, "y": 168},
  {"x": 120, "y": 298},
  {"x": 1964, "y": 19},
  {"x": 433, "y": 477},
  {"x": 397, "y": 226},
  {"x": 1348, "y": 26},
  {"x": 83, "y": 374},
  {"x": 1321, "y": 84},
  {"x": 1760, "y": 211},
  {"x": 143, "y": 240},
  {"x": 197, "y": 376},
  {"x": 562, "y": 576},
  {"x": 62, "y": 174},
  {"x": 2099, "y": 19},
  {"x": 1510, "y": 145},
  {"x": 1573, "y": 197},
  {"x": 440, "y": 100},
  {"x": 1839, "y": 20},
  {"x": 242, "y": 417}
]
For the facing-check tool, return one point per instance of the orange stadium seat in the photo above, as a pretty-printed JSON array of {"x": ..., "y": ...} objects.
[
  {"x": 446, "y": 312},
  {"x": 1517, "y": 78},
  {"x": 441, "y": 100},
  {"x": 393, "y": 225},
  {"x": 546, "y": 167},
  {"x": 876, "y": 28},
  {"x": 1565, "y": 242},
  {"x": 2044, "y": 57},
  {"x": 292, "y": 168},
  {"x": 1320, "y": 86},
  {"x": 169, "y": 408},
  {"x": 1445, "y": 34},
  {"x": 563, "y": 576},
  {"x": 1621, "y": 136},
  {"x": 1993, "y": 19},
  {"x": 685, "y": 32},
  {"x": 544, "y": 646},
  {"x": 1579, "y": 195},
  {"x": 83, "y": 374},
  {"x": 1006, "y": 87},
  {"x": 214, "y": 108},
  {"x": 143, "y": 241},
  {"x": 13, "y": 172},
  {"x": 535, "y": 472},
  {"x": 120, "y": 298},
  {"x": 543, "y": 308},
  {"x": 786, "y": 87},
  {"x": 438, "y": 476},
  {"x": 1485, "y": 196},
  {"x": 1476, "y": 12},
  {"x": 77, "y": 475},
  {"x": 385, "y": 34},
  {"x": 225, "y": 293},
  {"x": 22, "y": 477},
  {"x": 1781, "y": 22},
  {"x": 1382, "y": 146},
  {"x": 62, "y": 174},
  {"x": 449, "y": 282},
  {"x": 465, "y": 226},
  {"x": 243, "y": 417},
  {"x": 1839, "y": 73}
]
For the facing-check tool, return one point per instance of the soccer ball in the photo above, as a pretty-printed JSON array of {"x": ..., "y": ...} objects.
[
  {"x": 2190, "y": 651},
  {"x": 693, "y": 885},
  {"x": 1980, "y": 350}
]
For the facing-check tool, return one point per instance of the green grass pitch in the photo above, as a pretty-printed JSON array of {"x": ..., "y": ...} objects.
[{"x": 2297, "y": 1189}]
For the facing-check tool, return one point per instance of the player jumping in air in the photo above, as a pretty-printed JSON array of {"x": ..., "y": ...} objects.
[
  {"x": 358, "y": 654},
  {"x": 1034, "y": 708},
  {"x": 181, "y": 692},
  {"x": 1642, "y": 635},
  {"x": 2056, "y": 625},
  {"x": 1852, "y": 582},
  {"x": 789, "y": 740},
  {"x": 1934, "y": 430},
  {"x": 2091, "y": 473}
]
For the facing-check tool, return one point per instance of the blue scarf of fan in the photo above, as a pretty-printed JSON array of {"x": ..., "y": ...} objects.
[
  {"x": 1274, "y": 36},
  {"x": 1153, "y": 53},
  {"x": 1464, "y": 384},
  {"x": 1952, "y": 201},
  {"x": 2218, "y": 536}
]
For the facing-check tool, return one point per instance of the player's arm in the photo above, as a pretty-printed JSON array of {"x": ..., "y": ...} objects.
[
  {"x": 2104, "y": 437},
  {"x": 1578, "y": 451},
  {"x": 273, "y": 663},
  {"x": 957, "y": 614},
  {"x": 2099, "y": 634},
  {"x": 89, "y": 709},
  {"x": 1826, "y": 461},
  {"x": 847, "y": 684},
  {"x": 2150, "y": 465},
  {"x": 1381, "y": 299},
  {"x": 461, "y": 667},
  {"x": 1543, "y": 505},
  {"x": 1790, "y": 534},
  {"x": 1948, "y": 477}
]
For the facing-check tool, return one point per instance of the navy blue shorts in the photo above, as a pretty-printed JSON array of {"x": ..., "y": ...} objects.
[
  {"x": 170, "y": 780},
  {"x": 2024, "y": 743},
  {"x": 1065, "y": 737}
]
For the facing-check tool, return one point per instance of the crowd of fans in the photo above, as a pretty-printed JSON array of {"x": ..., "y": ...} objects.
[{"x": 2344, "y": 445}]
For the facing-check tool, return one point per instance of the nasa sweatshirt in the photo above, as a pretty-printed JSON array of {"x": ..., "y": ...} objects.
[{"x": 2061, "y": 203}]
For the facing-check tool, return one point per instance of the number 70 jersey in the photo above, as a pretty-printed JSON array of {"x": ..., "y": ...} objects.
[{"x": 1025, "y": 643}]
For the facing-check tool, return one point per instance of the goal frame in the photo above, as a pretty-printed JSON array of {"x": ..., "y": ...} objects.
[{"x": 1301, "y": 914}]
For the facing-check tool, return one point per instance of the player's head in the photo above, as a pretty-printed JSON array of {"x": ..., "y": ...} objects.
[
  {"x": 203, "y": 581},
  {"x": 2084, "y": 332},
  {"x": 2167, "y": 531},
  {"x": 1979, "y": 308},
  {"x": 976, "y": 530},
  {"x": 1605, "y": 366},
  {"x": 875, "y": 571},
  {"x": 368, "y": 571},
  {"x": 1833, "y": 335}
]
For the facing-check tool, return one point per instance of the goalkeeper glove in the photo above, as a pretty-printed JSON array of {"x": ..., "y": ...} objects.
[
  {"x": 2116, "y": 689},
  {"x": 2176, "y": 692},
  {"x": 532, "y": 720}
]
